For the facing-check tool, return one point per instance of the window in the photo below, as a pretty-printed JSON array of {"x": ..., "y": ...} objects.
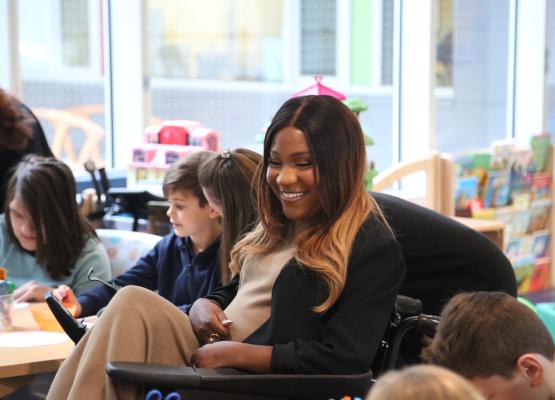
[
  {"x": 216, "y": 39},
  {"x": 62, "y": 75},
  {"x": 230, "y": 65},
  {"x": 475, "y": 113},
  {"x": 387, "y": 42},
  {"x": 444, "y": 47},
  {"x": 318, "y": 37},
  {"x": 75, "y": 34}
]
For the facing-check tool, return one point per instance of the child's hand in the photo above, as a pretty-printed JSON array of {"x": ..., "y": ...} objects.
[
  {"x": 209, "y": 322},
  {"x": 66, "y": 295},
  {"x": 31, "y": 291}
]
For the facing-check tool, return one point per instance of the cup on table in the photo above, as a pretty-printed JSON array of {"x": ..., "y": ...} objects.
[{"x": 6, "y": 311}]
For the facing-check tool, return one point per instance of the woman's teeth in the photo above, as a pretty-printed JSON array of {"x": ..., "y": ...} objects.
[{"x": 291, "y": 196}]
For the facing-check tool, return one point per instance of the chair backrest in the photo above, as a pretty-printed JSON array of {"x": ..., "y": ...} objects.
[
  {"x": 124, "y": 248},
  {"x": 439, "y": 172},
  {"x": 62, "y": 121}
]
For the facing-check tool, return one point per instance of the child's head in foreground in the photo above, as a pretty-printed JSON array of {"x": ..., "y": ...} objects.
[
  {"x": 423, "y": 382},
  {"x": 497, "y": 343}
]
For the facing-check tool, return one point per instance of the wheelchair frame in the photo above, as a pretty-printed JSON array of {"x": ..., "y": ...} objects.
[{"x": 231, "y": 384}]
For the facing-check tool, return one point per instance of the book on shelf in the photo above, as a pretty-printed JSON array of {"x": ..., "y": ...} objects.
[
  {"x": 541, "y": 185},
  {"x": 498, "y": 189},
  {"x": 520, "y": 223},
  {"x": 541, "y": 152},
  {"x": 539, "y": 214},
  {"x": 466, "y": 192},
  {"x": 472, "y": 163},
  {"x": 518, "y": 246},
  {"x": 503, "y": 152},
  {"x": 541, "y": 277},
  {"x": 512, "y": 248},
  {"x": 524, "y": 271},
  {"x": 540, "y": 245},
  {"x": 536, "y": 244},
  {"x": 522, "y": 162}
]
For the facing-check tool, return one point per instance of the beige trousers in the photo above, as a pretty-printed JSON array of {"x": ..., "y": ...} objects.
[{"x": 139, "y": 325}]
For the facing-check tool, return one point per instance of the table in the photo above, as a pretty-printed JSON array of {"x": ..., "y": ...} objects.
[{"x": 18, "y": 365}]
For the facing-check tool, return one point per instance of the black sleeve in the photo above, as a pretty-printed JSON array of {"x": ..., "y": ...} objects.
[
  {"x": 225, "y": 294},
  {"x": 346, "y": 338}
]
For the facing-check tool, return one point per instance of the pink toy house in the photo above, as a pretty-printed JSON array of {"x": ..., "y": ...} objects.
[
  {"x": 165, "y": 144},
  {"x": 177, "y": 132}
]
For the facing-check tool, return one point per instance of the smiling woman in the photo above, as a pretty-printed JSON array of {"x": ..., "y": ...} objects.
[{"x": 321, "y": 262}]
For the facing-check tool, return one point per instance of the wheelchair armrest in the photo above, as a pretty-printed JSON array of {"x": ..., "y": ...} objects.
[{"x": 230, "y": 380}]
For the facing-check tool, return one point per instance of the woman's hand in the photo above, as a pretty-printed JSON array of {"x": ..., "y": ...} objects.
[
  {"x": 66, "y": 295},
  {"x": 209, "y": 321},
  {"x": 31, "y": 291},
  {"x": 233, "y": 354}
]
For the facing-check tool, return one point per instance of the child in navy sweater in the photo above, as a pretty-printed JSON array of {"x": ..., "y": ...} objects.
[{"x": 185, "y": 264}]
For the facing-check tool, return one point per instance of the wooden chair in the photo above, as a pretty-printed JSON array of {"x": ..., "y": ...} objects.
[
  {"x": 439, "y": 172},
  {"x": 62, "y": 121}
]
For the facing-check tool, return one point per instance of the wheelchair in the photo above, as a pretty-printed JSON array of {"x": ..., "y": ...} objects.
[
  {"x": 177, "y": 382},
  {"x": 443, "y": 258}
]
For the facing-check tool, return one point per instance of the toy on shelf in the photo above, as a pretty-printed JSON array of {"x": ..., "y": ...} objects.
[
  {"x": 165, "y": 144},
  {"x": 513, "y": 185},
  {"x": 319, "y": 89}
]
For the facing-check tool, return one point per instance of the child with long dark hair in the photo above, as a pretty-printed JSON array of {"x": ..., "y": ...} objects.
[
  {"x": 44, "y": 240},
  {"x": 318, "y": 276}
]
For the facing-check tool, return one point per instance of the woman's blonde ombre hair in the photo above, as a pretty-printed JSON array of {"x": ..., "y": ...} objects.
[
  {"x": 336, "y": 143},
  {"x": 423, "y": 382}
]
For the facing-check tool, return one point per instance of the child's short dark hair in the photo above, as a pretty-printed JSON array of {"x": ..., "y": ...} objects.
[
  {"x": 183, "y": 175},
  {"x": 482, "y": 334}
]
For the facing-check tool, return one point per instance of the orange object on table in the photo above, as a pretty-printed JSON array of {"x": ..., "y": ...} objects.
[{"x": 44, "y": 317}]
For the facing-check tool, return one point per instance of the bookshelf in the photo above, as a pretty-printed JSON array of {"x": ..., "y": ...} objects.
[{"x": 513, "y": 185}]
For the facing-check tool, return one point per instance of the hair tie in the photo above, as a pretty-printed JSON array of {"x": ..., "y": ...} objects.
[{"x": 226, "y": 154}]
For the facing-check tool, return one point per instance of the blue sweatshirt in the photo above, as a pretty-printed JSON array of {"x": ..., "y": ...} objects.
[{"x": 171, "y": 268}]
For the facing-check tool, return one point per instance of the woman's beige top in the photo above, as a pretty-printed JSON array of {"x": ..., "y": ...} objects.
[{"x": 251, "y": 306}]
